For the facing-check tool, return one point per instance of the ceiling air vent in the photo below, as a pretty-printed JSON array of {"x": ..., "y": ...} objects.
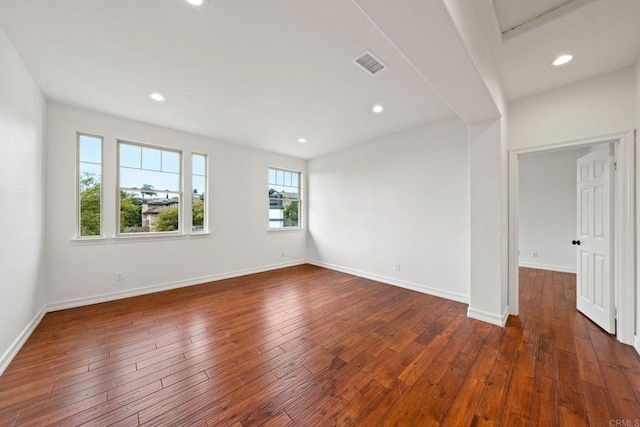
[{"x": 370, "y": 63}]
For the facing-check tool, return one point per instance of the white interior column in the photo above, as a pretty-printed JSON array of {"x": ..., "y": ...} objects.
[{"x": 488, "y": 284}]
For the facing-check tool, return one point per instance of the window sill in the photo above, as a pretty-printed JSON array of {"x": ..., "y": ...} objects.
[
  {"x": 200, "y": 235},
  {"x": 90, "y": 241},
  {"x": 148, "y": 238},
  {"x": 86, "y": 241},
  {"x": 286, "y": 230}
]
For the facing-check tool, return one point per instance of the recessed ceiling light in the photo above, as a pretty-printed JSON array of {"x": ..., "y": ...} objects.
[
  {"x": 302, "y": 140},
  {"x": 562, "y": 59},
  {"x": 156, "y": 96},
  {"x": 378, "y": 109},
  {"x": 196, "y": 3}
]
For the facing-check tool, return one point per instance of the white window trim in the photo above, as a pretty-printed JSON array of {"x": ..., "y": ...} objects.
[
  {"x": 142, "y": 236},
  {"x": 301, "y": 210},
  {"x": 200, "y": 235},
  {"x": 146, "y": 237},
  {"x": 205, "y": 225},
  {"x": 78, "y": 218},
  {"x": 89, "y": 241},
  {"x": 298, "y": 229}
]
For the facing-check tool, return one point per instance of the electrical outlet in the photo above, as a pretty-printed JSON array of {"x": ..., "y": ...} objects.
[
  {"x": 534, "y": 254},
  {"x": 396, "y": 267},
  {"x": 283, "y": 254},
  {"x": 119, "y": 276}
]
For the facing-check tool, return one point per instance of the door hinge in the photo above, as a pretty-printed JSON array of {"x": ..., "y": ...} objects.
[{"x": 614, "y": 166}]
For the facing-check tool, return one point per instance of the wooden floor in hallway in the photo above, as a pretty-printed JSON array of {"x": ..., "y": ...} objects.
[{"x": 312, "y": 347}]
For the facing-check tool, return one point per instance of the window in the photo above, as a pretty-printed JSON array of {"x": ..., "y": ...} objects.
[
  {"x": 149, "y": 186},
  {"x": 284, "y": 198},
  {"x": 89, "y": 186},
  {"x": 199, "y": 191}
]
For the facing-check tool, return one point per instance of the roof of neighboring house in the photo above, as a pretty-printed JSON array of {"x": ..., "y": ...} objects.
[
  {"x": 156, "y": 209},
  {"x": 155, "y": 206},
  {"x": 282, "y": 194},
  {"x": 161, "y": 202}
]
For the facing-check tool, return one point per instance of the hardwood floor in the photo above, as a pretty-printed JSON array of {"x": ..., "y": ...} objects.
[{"x": 309, "y": 346}]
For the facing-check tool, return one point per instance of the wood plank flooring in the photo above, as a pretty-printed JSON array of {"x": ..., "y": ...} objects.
[{"x": 308, "y": 346}]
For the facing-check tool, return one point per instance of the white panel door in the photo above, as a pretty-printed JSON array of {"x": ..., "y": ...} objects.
[{"x": 594, "y": 285}]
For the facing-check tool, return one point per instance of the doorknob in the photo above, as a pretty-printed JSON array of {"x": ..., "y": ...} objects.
[{"x": 575, "y": 242}]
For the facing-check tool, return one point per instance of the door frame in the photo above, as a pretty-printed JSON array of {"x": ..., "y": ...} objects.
[{"x": 624, "y": 225}]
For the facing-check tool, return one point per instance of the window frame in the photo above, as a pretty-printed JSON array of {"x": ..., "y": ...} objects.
[
  {"x": 300, "y": 199},
  {"x": 205, "y": 223},
  {"x": 179, "y": 192},
  {"x": 78, "y": 234}
]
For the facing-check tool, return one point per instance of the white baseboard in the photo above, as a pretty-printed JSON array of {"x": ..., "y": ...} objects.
[
  {"x": 17, "y": 344},
  {"x": 13, "y": 349},
  {"x": 394, "y": 282},
  {"x": 636, "y": 343},
  {"x": 10, "y": 353},
  {"x": 549, "y": 267},
  {"x": 485, "y": 316},
  {"x": 96, "y": 299}
]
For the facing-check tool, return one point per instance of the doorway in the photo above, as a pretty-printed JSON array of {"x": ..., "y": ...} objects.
[{"x": 624, "y": 225}]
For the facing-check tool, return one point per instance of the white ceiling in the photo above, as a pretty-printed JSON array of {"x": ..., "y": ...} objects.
[
  {"x": 253, "y": 72},
  {"x": 602, "y": 35},
  {"x": 267, "y": 73}
]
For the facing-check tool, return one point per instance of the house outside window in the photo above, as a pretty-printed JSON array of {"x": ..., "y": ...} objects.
[
  {"x": 285, "y": 207},
  {"x": 149, "y": 183},
  {"x": 199, "y": 191}
]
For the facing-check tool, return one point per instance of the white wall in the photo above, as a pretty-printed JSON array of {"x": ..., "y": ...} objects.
[
  {"x": 547, "y": 209},
  {"x": 22, "y": 293},
  {"x": 590, "y": 108},
  {"x": 637, "y": 127},
  {"x": 239, "y": 241},
  {"x": 400, "y": 199}
]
